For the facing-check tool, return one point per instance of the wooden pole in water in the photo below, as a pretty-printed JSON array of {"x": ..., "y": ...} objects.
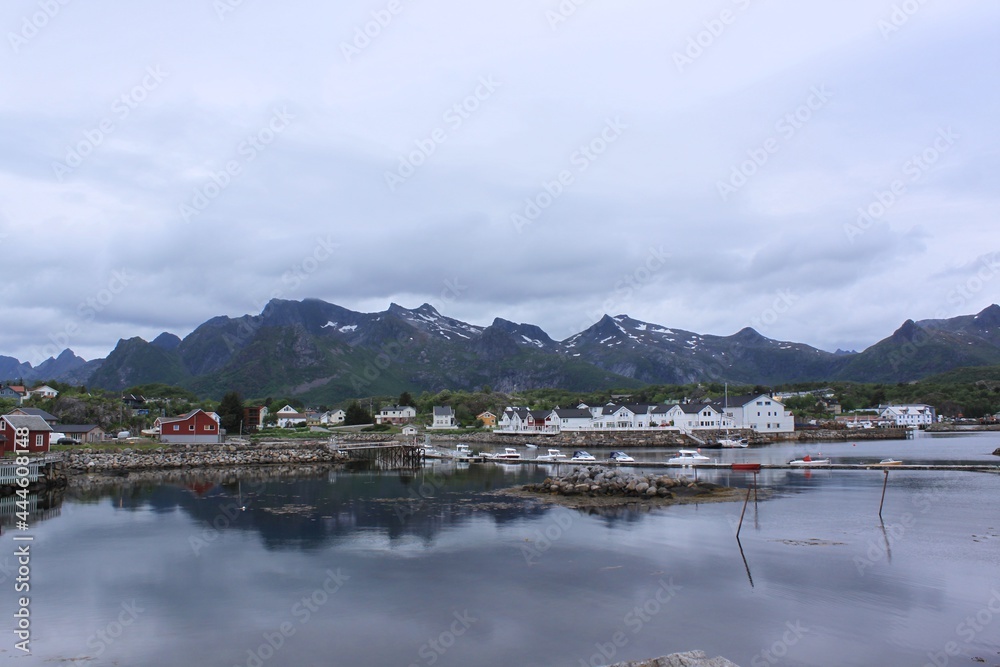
[
  {"x": 740, "y": 527},
  {"x": 885, "y": 482}
]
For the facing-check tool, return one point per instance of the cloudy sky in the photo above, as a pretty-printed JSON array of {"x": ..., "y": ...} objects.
[{"x": 819, "y": 171}]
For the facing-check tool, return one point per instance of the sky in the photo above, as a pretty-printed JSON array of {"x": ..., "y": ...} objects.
[{"x": 820, "y": 172}]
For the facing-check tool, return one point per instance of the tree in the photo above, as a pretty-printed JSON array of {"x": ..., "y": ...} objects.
[
  {"x": 405, "y": 399},
  {"x": 231, "y": 412},
  {"x": 355, "y": 414}
]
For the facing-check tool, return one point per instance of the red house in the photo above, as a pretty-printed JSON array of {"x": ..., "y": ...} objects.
[
  {"x": 31, "y": 430},
  {"x": 195, "y": 428}
]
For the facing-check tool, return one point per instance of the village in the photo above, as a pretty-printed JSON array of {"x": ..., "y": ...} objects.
[{"x": 760, "y": 414}]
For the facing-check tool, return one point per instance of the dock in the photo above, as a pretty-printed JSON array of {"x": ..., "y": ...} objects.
[{"x": 764, "y": 466}]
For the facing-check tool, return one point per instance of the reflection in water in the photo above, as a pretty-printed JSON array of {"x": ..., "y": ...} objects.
[
  {"x": 412, "y": 550},
  {"x": 41, "y": 506}
]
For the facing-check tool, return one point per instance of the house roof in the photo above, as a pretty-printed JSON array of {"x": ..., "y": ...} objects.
[
  {"x": 695, "y": 408},
  {"x": 443, "y": 411},
  {"x": 38, "y": 412},
  {"x": 571, "y": 413},
  {"x": 663, "y": 408},
  {"x": 77, "y": 428},
  {"x": 183, "y": 417},
  {"x": 30, "y": 422}
]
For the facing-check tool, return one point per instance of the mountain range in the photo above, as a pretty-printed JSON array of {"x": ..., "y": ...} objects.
[{"x": 325, "y": 353}]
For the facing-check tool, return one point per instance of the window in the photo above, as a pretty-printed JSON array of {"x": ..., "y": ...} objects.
[
  {"x": 39, "y": 440},
  {"x": 177, "y": 427},
  {"x": 209, "y": 427},
  {"x": 3, "y": 425},
  {"x": 190, "y": 427}
]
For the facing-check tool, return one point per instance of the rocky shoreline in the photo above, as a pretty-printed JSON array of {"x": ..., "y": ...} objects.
[{"x": 593, "y": 484}]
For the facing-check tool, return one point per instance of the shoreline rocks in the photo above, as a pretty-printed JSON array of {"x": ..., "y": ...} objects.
[
  {"x": 688, "y": 659},
  {"x": 996, "y": 452},
  {"x": 596, "y": 481}
]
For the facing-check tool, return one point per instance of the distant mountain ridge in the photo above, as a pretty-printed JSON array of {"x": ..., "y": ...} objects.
[{"x": 325, "y": 353}]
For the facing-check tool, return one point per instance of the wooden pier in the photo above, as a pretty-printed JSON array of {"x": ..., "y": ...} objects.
[
  {"x": 10, "y": 471},
  {"x": 386, "y": 455}
]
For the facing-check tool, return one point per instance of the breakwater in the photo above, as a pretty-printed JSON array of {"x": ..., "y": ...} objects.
[{"x": 198, "y": 456}]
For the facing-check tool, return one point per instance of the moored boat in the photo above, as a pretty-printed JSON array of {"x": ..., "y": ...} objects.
[
  {"x": 688, "y": 456},
  {"x": 733, "y": 443},
  {"x": 553, "y": 456},
  {"x": 621, "y": 457},
  {"x": 809, "y": 461},
  {"x": 580, "y": 455}
]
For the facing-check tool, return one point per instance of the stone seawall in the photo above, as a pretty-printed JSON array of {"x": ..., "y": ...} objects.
[{"x": 191, "y": 456}]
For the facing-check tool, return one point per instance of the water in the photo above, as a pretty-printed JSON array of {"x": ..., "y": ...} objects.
[{"x": 364, "y": 568}]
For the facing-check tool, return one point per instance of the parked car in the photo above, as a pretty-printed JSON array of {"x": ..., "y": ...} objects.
[{"x": 67, "y": 441}]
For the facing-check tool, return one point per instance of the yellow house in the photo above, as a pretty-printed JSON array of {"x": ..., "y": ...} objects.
[{"x": 488, "y": 418}]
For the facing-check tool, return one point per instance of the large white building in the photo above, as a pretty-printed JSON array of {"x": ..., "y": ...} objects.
[
  {"x": 761, "y": 413},
  {"x": 908, "y": 415}
]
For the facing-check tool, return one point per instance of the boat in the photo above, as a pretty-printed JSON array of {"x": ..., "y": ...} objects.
[
  {"x": 431, "y": 453},
  {"x": 889, "y": 462},
  {"x": 750, "y": 467},
  {"x": 580, "y": 455},
  {"x": 553, "y": 456},
  {"x": 463, "y": 453},
  {"x": 809, "y": 461},
  {"x": 727, "y": 442},
  {"x": 621, "y": 457},
  {"x": 688, "y": 456},
  {"x": 509, "y": 453},
  {"x": 530, "y": 446}
]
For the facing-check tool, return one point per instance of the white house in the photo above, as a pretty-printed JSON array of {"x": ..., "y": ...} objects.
[
  {"x": 409, "y": 429},
  {"x": 333, "y": 417},
  {"x": 513, "y": 420},
  {"x": 761, "y": 412},
  {"x": 45, "y": 391},
  {"x": 692, "y": 416},
  {"x": 908, "y": 415},
  {"x": 395, "y": 414},
  {"x": 289, "y": 417},
  {"x": 564, "y": 419},
  {"x": 444, "y": 417}
]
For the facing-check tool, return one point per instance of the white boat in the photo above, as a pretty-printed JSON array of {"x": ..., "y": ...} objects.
[
  {"x": 530, "y": 446},
  {"x": 889, "y": 462},
  {"x": 553, "y": 455},
  {"x": 462, "y": 453},
  {"x": 621, "y": 457},
  {"x": 733, "y": 443},
  {"x": 688, "y": 456},
  {"x": 809, "y": 461},
  {"x": 508, "y": 454},
  {"x": 580, "y": 455}
]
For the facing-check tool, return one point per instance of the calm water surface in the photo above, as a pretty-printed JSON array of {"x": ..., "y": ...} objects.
[{"x": 379, "y": 568}]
